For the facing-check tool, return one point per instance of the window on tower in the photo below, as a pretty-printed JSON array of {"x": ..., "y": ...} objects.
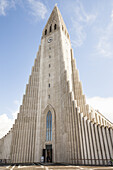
[
  {"x": 55, "y": 26},
  {"x": 62, "y": 28},
  {"x": 68, "y": 36},
  {"x": 49, "y": 126},
  {"x": 50, "y": 29},
  {"x": 46, "y": 32}
]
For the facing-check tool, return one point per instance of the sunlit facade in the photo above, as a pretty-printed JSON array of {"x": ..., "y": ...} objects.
[{"x": 54, "y": 120}]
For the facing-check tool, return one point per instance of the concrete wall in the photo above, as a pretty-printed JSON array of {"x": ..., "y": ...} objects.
[
  {"x": 80, "y": 135},
  {"x": 5, "y": 146}
]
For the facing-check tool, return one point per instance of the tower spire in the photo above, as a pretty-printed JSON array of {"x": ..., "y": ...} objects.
[
  {"x": 55, "y": 18},
  {"x": 56, "y": 4}
]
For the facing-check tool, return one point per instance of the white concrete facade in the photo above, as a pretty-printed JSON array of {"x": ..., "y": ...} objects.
[{"x": 80, "y": 134}]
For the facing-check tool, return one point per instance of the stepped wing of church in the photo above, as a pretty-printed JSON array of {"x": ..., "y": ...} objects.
[{"x": 54, "y": 120}]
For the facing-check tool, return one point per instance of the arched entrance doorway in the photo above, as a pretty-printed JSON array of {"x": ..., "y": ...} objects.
[{"x": 48, "y": 134}]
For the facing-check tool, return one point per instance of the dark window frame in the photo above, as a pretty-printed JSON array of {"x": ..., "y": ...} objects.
[
  {"x": 46, "y": 32},
  {"x": 49, "y": 126}
]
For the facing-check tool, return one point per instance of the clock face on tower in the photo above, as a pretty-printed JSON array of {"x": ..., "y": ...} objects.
[{"x": 50, "y": 39}]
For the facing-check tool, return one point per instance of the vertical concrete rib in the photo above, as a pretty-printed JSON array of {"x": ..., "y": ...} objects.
[
  {"x": 23, "y": 137},
  {"x": 84, "y": 141},
  {"x": 90, "y": 142},
  {"x": 101, "y": 143},
  {"x": 74, "y": 131},
  {"x": 87, "y": 141},
  {"x": 78, "y": 135},
  {"x": 98, "y": 144},
  {"x": 111, "y": 135},
  {"x": 71, "y": 122},
  {"x": 81, "y": 139},
  {"x": 95, "y": 148},
  {"x": 106, "y": 148}
]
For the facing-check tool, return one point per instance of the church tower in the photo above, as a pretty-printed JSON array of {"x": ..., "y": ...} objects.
[{"x": 54, "y": 120}]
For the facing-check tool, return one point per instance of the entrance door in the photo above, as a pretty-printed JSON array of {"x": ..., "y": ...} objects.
[
  {"x": 44, "y": 153},
  {"x": 48, "y": 153}
]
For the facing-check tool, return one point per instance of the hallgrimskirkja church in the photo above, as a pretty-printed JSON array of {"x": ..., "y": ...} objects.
[{"x": 54, "y": 120}]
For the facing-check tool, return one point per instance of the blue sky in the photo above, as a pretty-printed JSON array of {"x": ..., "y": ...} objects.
[{"x": 90, "y": 25}]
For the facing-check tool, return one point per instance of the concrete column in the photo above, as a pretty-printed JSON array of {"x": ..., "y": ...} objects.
[
  {"x": 25, "y": 140},
  {"x": 98, "y": 144},
  {"x": 15, "y": 138},
  {"x": 74, "y": 133},
  {"x": 23, "y": 136},
  {"x": 101, "y": 143},
  {"x": 110, "y": 148},
  {"x": 76, "y": 138},
  {"x": 94, "y": 144},
  {"x": 111, "y": 135},
  {"x": 105, "y": 145},
  {"x": 86, "y": 140},
  {"x": 12, "y": 146},
  {"x": 30, "y": 139},
  {"x": 84, "y": 143},
  {"x": 17, "y": 143},
  {"x": 81, "y": 138},
  {"x": 71, "y": 132},
  {"x": 90, "y": 142},
  {"x": 68, "y": 131},
  {"x": 78, "y": 135}
]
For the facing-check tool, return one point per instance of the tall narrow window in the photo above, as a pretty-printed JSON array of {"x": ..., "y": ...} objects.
[
  {"x": 62, "y": 28},
  {"x": 55, "y": 27},
  {"x": 46, "y": 32},
  {"x": 50, "y": 29},
  {"x": 49, "y": 127}
]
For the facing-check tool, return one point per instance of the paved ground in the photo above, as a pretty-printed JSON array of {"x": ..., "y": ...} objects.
[{"x": 41, "y": 167}]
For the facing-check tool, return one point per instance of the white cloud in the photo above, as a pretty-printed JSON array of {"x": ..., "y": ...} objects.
[
  {"x": 79, "y": 23},
  {"x": 112, "y": 15},
  {"x": 37, "y": 9},
  {"x": 3, "y": 7},
  {"x": 105, "y": 43},
  {"x": 79, "y": 34},
  {"x": 6, "y": 123},
  {"x": 6, "y": 5},
  {"x": 104, "y": 105},
  {"x": 16, "y": 102}
]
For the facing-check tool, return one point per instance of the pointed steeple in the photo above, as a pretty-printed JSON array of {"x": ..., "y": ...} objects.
[{"x": 54, "y": 22}]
